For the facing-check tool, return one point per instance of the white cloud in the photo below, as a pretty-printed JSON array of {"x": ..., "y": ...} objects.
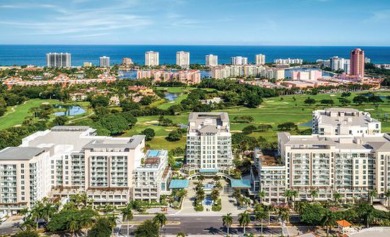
[{"x": 83, "y": 22}]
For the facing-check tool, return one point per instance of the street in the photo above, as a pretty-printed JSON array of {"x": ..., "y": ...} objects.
[{"x": 205, "y": 225}]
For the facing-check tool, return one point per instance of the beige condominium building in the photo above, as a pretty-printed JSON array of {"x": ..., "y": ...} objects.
[
  {"x": 350, "y": 163},
  {"x": 66, "y": 160},
  {"x": 209, "y": 145}
]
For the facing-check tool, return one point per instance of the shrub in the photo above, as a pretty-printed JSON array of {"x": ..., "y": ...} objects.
[{"x": 199, "y": 207}]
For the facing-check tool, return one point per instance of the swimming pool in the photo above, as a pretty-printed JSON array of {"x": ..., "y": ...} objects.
[
  {"x": 153, "y": 153},
  {"x": 208, "y": 201}
]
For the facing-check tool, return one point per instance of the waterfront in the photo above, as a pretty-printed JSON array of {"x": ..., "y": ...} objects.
[{"x": 36, "y": 54}]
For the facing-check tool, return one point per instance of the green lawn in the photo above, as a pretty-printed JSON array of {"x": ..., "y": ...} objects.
[
  {"x": 16, "y": 114},
  {"x": 177, "y": 101},
  {"x": 273, "y": 111}
]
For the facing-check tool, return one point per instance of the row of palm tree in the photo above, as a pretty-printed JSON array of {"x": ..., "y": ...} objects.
[
  {"x": 292, "y": 194},
  {"x": 260, "y": 214}
]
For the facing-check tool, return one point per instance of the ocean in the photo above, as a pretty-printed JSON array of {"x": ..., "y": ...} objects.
[{"x": 36, "y": 54}]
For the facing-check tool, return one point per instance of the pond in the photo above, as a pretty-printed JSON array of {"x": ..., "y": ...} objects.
[
  {"x": 70, "y": 110},
  {"x": 170, "y": 96},
  {"x": 307, "y": 124}
]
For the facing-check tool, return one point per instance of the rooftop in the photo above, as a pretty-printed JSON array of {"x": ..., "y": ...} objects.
[
  {"x": 344, "y": 116},
  {"x": 343, "y": 223},
  {"x": 108, "y": 142},
  {"x": 20, "y": 153},
  {"x": 377, "y": 142},
  {"x": 209, "y": 122}
]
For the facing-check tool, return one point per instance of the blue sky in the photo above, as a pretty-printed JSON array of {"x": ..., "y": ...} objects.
[{"x": 214, "y": 22}]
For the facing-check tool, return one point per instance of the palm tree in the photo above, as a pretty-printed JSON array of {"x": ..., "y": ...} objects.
[
  {"x": 181, "y": 234},
  {"x": 227, "y": 221},
  {"x": 288, "y": 194},
  {"x": 387, "y": 195},
  {"x": 328, "y": 220},
  {"x": 200, "y": 178},
  {"x": 127, "y": 213},
  {"x": 160, "y": 219},
  {"x": 215, "y": 195},
  {"x": 260, "y": 215},
  {"x": 29, "y": 224},
  {"x": 261, "y": 195},
  {"x": 73, "y": 226},
  {"x": 313, "y": 194},
  {"x": 372, "y": 194},
  {"x": 294, "y": 194},
  {"x": 337, "y": 197},
  {"x": 283, "y": 214},
  {"x": 244, "y": 220}
]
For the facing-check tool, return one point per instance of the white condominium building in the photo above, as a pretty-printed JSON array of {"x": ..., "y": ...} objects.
[
  {"x": 349, "y": 165},
  {"x": 260, "y": 59},
  {"x": 24, "y": 176},
  {"x": 337, "y": 63},
  {"x": 238, "y": 60},
  {"x": 227, "y": 71},
  {"x": 288, "y": 61},
  {"x": 211, "y": 60},
  {"x": 349, "y": 156},
  {"x": 71, "y": 159},
  {"x": 343, "y": 121},
  {"x": 209, "y": 145},
  {"x": 272, "y": 179},
  {"x": 152, "y": 58},
  {"x": 183, "y": 59},
  {"x": 151, "y": 176},
  {"x": 58, "y": 60},
  {"x": 104, "y": 61}
]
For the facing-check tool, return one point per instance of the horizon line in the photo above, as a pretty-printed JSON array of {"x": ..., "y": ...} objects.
[{"x": 241, "y": 45}]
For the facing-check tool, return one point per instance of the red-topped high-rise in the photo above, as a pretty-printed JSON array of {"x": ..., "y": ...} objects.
[{"x": 357, "y": 62}]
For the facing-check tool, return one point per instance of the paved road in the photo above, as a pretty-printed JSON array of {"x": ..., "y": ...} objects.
[{"x": 207, "y": 225}]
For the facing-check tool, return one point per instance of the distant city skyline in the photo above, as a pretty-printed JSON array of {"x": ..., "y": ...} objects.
[{"x": 200, "y": 22}]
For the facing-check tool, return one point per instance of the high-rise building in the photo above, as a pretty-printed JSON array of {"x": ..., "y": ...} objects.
[
  {"x": 58, "y": 59},
  {"x": 211, "y": 60},
  {"x": 209, "y": 145},
  {"x": 183, "y": 59},
  {"x": 104, "y": 61},
  {"x": 337, "y": 63},
  {"x": 152, "y": 58},
  {"x": 357, "y": 62},
  {"x": 260, "y": 59},
  {"x": 346, "y": 154},
  {"x": 67, "y": 160},
  {"x": 239, "y": 60},
  {"x": 151, "y": 176},
  {"x": 285, "y": 61}
]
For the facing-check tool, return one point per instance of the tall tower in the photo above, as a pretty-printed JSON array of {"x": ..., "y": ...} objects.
[
  {"x": 58, "y": 59},
  {"x": 357, "y": 62},
  {"x": 211, "y": 60},
  {"x": 104, "y": 61},
  {"x": 260, "y": 59},
  {"x": 151, "y": 58},
  {"x": 183, "y": 59}
]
